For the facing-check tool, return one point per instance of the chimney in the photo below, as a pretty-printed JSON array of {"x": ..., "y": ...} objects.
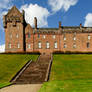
[
  {"x": 80, "y": 25},
  {"x": 35, "y": 22},
  {"x": 23, "y": 13},
  {"x": 59, "y": 24}
]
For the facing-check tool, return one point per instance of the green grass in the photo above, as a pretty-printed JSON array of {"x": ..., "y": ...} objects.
[
  {"x": 10, "y": 64},
  {"x": 5, "y": 84},
  {"x": 70, "y": 73}
]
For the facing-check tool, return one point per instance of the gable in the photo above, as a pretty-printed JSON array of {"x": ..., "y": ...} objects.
[{"x": 14, "y": 12}]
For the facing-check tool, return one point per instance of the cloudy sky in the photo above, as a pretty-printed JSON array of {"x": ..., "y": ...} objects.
[{"x": 49, "y": 13}]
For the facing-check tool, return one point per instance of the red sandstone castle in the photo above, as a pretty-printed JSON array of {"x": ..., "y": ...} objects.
[{"x": 21, "y": 37}]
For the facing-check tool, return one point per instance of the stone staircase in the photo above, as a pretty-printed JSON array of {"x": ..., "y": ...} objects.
[{"x": 36, "y": 72}]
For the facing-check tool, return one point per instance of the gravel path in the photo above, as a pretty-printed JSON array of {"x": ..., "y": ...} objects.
[{"x": 22, "y": 88}]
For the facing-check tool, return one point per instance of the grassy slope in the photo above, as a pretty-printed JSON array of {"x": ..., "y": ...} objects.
[
  {"x": 10, "y": 64},
  {"x": 70, "y": 73}
]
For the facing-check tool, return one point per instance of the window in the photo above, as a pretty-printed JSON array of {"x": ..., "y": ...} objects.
[
  {"x": 64, "y": 38},
  {"x": 65, "y": 46},
  {"x": 29, "y": 35},
  {"x": 38, "y": 35},
  {"x": 9, "y": 45},
  {"x": 88, "y": 37},
  {"x": 88, "y": 45},
  {"x": 39, "y": 45},
  {"x": 54, "y": 36},
  {"x": 18, "y": 27},
  {"x": 47, "y": 45},
  {"x": 18, "y": 45},
  {"x": 17, "y": 35},
  {"x": 29, "y": 46},
  {"x": 44, "y": 36},
  {"x": 74, "y": 38},
  {"x": 10, "y": 35},
  {"x": 55, "y": 45},
  {"x": 74, "y": 45},
  {"x": 74, "y": 33}
]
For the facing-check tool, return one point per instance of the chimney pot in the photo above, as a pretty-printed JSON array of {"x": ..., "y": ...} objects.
[{"x": 35, "y": 22}]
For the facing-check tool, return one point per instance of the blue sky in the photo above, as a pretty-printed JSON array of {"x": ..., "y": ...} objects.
[{"x": 50, "y": 12}]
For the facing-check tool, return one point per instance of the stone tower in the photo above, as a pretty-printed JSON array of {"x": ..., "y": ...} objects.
[{"x": 14, "y": 24}]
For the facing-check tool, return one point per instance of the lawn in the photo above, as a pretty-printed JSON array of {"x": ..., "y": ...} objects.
[
  {"x": 70, "y": 73},
  {"x": 10, "y": 64}
]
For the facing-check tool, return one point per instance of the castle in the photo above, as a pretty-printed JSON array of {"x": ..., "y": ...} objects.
[{"x": 21, "y": 37}]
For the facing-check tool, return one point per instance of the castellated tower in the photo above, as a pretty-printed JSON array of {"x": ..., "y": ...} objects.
[{"x": 14, "y": 25}]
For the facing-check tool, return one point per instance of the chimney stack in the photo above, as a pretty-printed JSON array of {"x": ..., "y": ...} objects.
[
  {"x": 59, "y": 24},
  {"x": 80, "y": 25},
  {"x": 35, "y": 22},
  {"x": 23, "y": 13}
]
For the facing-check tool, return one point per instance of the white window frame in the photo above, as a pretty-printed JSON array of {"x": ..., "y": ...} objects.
[
  {"x": 44, "y": 36},
  {"x": 9, "y": 45},
  {"x": 10, "y": 35},
  {"x": 47, "y": 45},
  {"x": 29, "y": 46},
  {"x": 89, "y": 37},
  {"x": 54, "y": 36},
  {"x": 18, "y": 27},
  {"x": 18, "y": 45},
  {"x": 64, "y": 38},
  {"x": 17, "y": 36},
  {"x": 74, "y": 38},
  {"x": 74, "y": 45},
  {"x": 39, "y": 45},
  {"x": 55, "y": 45},
  {"x": 65, "y": 46}
]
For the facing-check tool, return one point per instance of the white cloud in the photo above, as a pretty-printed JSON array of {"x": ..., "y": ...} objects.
[
  {"x": 88, "y": 20},
  {"x": 2, "y": 48},
  {"x": 34, "y": 10},
  {"x": 57, "y": 5}
]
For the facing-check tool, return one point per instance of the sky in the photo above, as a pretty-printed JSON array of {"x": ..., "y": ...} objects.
[{"x": 49, "y": 13}]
